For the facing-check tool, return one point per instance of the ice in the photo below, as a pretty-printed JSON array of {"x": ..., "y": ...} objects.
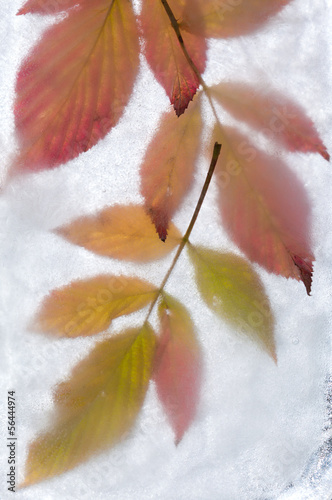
[{"x": 262, "y": 430}]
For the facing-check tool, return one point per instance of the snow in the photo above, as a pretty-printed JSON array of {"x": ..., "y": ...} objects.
[{"x": 262, "y": 430}]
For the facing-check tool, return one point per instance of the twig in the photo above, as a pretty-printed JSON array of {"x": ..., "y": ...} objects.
[{"x": 215, "y": 156}]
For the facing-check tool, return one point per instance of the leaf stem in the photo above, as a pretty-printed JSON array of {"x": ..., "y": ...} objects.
[{"x": 215, "y": 156}]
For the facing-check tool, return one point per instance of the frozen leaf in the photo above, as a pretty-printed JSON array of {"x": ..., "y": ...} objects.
[
  {"x": 168, "y": 167},
  {"x": 264, "y": 207},
  {"x": 48, "y": 7},
  {"x": 229, "y": 18},
  {"x": 122, "y": 232},
  {"x": 73, "y": 87},
  {"x": 233, "y": 290},
  {"x": 178, "y": 365},
  {"x": 273, "y": 114},
  {"x": 87, "y": 307},
  {"x": 165, "y": 56},
  {"x": 96, "y": 406}
]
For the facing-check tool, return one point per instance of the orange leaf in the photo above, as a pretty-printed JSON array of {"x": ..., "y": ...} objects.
[
  {"x": 48, "y": 7},
  {"x": 73, "y": 87},
  {"x": 264, "y": 208},
  {"x": 177, "y": 369},
  {"x": 96, "y": 406},
  {"x": 87, "y": 307},
  {"x": 273, "y": 114},
  {"x": 168, "y": 167},
  {"x": 232, "y": 289},
  {"x": 223, "y": 19},
  {"x": 165, "y": 56},
  {"x": 121, "y": 232}
]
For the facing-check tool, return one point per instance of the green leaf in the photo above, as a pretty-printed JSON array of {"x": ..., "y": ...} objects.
[{"x": 233, "y": 290}]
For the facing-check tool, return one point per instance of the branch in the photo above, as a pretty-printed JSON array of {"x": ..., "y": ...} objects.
[{"x": 215, "y": 156}]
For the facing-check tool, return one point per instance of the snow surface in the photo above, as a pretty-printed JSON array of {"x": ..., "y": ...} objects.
[{"x": 260, "y": 429}]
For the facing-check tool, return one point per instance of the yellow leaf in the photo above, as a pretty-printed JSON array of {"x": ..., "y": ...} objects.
[
  {"x": 87, "y": 307},
  {"x": 121, "y": 232},
  {"x": 96, "y": 406},
  {"x": 232, "y": 289}
]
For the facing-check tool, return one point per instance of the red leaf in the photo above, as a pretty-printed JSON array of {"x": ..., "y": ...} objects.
[
  {"x": 306, "y": 271},
  {"x": 264, "y": 208},
  {"x": 223, "y": 19},
  {"x": 48, "y": 6},
  {"x": 168, "y": 167},
  {"x": 73, "y": 87},
  {"x": 178, "y": 366},
  {"x": 165, "y": 56},
  {"x": 273, "y": 114}
]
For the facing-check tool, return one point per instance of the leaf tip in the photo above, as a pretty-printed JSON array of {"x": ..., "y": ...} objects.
[
  {"x": 181, "y": 103},
  {"x": 274, "y": 356},
  {"x": 179, "y": 110},
  {"x": 162, "y": 232},
  {"x": 306, "y": 271},
  {"x": 62, "y": 231},
  {"x": 324, "y": 153},
  {"x": 160, "y": 220},
  {"x": 178, "y": 439}
]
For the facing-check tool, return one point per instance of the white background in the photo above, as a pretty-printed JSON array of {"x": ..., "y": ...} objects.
[{"x": 258, "y": 424}]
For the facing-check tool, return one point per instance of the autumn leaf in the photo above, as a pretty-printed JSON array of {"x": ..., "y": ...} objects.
[
  {"x": 177, "y": 369},
  {"x": 72, "y": 88},
  {"x": 264, "y": 208},
  {"x": 164, "y": 53},
  {"x": 48, "y": 7},
  {"x": 273, "y": 114},
  {"x": 233, "y": 290},
  {"x": 168, "y": 167},
  {"x": 122, "y": 232},
  {"x": 223, "y": 19},
  {"x": 96, "y": 406},
  {"x": 87, "y": 307}
]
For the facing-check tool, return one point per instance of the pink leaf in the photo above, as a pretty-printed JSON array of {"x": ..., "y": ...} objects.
[
  {"x": 48, "y": 7},
  {"x": 229, "y": 18},
  {"x": 264, "y": 208},
  {"x": 165, "y": 56},
  {"x": 178, "y": 366},
  {"x": 168, "y": 167},
  {"x": 73, "y": 87},
  {"x": 273, "y": 114}
]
